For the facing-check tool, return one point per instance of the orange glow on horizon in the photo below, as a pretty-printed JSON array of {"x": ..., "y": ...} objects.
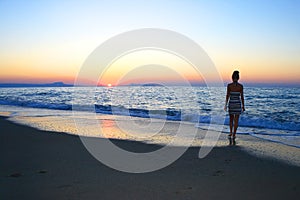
[
  {"x": 136, "y": 68},
  {"x": 37, "y": 80},
  {"x": 116, "y": 79}
]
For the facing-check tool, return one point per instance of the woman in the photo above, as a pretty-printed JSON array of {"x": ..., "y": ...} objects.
[{"x": 235, "y": 95}]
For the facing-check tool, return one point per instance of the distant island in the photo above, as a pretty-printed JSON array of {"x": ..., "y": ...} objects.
[
  {"x": 144, "y": 84},
  {"x": 55, "y": 84}
]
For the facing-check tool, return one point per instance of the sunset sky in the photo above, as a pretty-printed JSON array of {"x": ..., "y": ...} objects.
[{"x": 48, "y": 41}]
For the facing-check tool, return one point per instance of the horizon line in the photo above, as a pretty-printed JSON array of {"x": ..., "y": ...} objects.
[{"x": 193, "y": 84}]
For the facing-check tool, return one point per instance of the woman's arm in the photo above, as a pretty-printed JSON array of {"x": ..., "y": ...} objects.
[
  {"x": 242, "y": 98},
  {"x": 227, "y": 97}
]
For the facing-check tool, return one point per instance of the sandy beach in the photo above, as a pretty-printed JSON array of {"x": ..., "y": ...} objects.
[{"x": 38, "y": 164}]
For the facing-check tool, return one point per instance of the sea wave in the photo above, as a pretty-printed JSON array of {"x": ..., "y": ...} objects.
[
  {"x": 167, "y": 114},
  {"x": 286, "y": 137}
]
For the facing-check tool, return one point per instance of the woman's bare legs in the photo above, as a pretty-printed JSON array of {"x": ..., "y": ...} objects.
[
  {"x": 231, "y": 124},
  {"x": 236, "y": 124}
]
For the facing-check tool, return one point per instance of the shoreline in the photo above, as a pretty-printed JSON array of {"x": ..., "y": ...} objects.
[
  {"x": 113, "y": 126},
  {"x": 38, "y": 164}
]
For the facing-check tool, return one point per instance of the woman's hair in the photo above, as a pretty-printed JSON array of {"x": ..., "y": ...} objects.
[{"x": 235, "y": 75}]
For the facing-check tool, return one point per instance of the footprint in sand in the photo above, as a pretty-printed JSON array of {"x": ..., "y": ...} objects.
[
  {"x": 184, "y": 190},
  {"x": 219, "y": 173},
  {"x": 42, "y": 171},
  {"x": 15, "y": 175}
]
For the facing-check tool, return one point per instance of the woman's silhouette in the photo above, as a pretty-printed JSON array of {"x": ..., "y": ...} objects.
[{"x": 235, "y": 95}]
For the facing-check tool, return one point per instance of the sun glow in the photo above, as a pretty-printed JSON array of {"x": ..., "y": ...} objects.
[{"x": 149, "y": 66}]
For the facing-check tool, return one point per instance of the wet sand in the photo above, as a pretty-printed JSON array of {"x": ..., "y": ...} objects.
[{"x": 39, "y": 164}]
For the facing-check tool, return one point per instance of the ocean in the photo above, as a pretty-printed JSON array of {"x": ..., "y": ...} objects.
[{"x": 272, "y": 113}]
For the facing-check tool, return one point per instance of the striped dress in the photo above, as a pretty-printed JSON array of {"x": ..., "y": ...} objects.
[{"x": 235, "y": 104}]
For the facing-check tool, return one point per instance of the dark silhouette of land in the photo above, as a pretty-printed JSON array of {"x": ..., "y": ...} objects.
[{"x": 55, "y": 84}]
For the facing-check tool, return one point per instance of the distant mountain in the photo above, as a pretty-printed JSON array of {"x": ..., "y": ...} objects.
[
  {"x": 144, "y": 84},
  {"x": 55, "y": 84}
]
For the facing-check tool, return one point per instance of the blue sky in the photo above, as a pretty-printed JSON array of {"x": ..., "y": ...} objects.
[{"x": 260, "y": 38}]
